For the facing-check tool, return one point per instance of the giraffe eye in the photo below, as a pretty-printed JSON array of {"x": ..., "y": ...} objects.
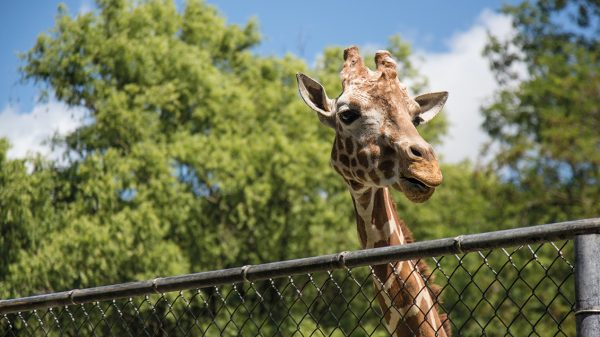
[
  {"x": 417, "y": 121},
  {"x": 349, "y": 116}
]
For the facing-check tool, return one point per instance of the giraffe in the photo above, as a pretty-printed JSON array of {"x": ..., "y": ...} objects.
[{"x": 377, "y": 146}]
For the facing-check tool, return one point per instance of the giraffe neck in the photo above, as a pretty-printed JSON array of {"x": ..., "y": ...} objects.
[
  {"x": 376, "y": 219},
  {"x": 407, "y": 305}
]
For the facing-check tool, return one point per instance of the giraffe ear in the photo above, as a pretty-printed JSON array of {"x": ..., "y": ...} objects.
[
  {"x": 430, "y": 104},
  {"x": 313, "y": 94}
]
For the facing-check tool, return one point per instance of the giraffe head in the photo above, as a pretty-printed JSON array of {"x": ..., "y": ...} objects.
[{"x": 376, "y": 142}]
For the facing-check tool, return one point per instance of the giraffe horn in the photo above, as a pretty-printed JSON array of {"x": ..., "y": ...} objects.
[
  {"x": 353, "y": 65},
  {"x": 385, "y": 64}
]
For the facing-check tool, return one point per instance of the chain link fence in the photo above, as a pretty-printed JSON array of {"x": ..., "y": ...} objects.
[{"x": 486, "y": 289}]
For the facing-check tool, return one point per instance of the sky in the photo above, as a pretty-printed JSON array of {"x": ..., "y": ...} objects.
[{"x": 447, "y": 39}]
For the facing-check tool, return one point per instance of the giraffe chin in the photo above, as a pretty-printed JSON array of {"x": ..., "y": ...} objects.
[{"x": 414, "y": 190}]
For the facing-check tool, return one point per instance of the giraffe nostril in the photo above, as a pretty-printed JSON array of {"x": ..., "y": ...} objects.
[{"x": 416, "y": 152}]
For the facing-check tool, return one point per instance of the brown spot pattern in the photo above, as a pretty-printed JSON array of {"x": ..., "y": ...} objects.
[
  {"x": 360, "y": 226},
  {"x": 387, "y": 151},
  {"x": 364, "y": 200},
  {"x": 363, "y": 158},
  {"x": 387, "y": 167},
  {"x": 339, "y": 144},
  {"x": 380, "y": 214},
  {"x": 345, "y": 160},
  {"x": 355, "y": 185},
  {"x": 349, "y": 145},
  {"x": 360, "y": 174}
]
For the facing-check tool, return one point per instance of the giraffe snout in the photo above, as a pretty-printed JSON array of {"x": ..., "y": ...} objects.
[{"x": 421, "y": 163}]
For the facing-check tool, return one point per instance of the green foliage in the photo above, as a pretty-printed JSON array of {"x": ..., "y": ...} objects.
[
  {"x": 196, "y": 154},
  {"x": 546, "y": 124},
  {"x": 543, "y": 125},
  {"x": 27, "y": 213}
]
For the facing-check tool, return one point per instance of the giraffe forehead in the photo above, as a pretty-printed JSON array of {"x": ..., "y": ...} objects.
[
  {"x": 384, "y": 95},
  {"x": 354, "y": 98}
]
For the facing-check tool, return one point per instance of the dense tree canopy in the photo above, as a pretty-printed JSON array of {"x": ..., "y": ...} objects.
[{"x": 545, "y": 120}]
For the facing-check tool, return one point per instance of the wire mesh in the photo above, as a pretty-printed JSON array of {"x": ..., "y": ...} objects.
[{"x": 523, "y": 291}]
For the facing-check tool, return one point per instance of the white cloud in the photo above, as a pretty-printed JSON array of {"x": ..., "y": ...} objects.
[
  {"x": 29, "y": 132},
  {"x": 465, "y": 73}
]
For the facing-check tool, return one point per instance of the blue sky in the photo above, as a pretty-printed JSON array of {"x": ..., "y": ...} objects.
[
  {"x": 306, "y": 27},
  {"x": 435, "y": 28}
]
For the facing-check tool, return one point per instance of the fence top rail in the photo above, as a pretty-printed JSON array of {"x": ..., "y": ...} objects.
[{"x": 415, "y": 250}]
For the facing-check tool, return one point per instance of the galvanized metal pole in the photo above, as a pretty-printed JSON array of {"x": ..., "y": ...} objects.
[{"x": 587, "y": 285}]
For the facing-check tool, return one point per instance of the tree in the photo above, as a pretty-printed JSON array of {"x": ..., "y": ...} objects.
[
  {"x": 544, "y": 123},
  {"x": 26, "y": 210},
  {"x": 196, "y": 153}
]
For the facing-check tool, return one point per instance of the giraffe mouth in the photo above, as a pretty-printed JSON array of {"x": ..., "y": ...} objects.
[
  {"x": 414, "y": 189},
  {"x": 418, "y": 183}
]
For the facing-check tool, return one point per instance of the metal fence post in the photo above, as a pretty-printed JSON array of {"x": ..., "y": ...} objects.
[{"x": 587, "y": 285}]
